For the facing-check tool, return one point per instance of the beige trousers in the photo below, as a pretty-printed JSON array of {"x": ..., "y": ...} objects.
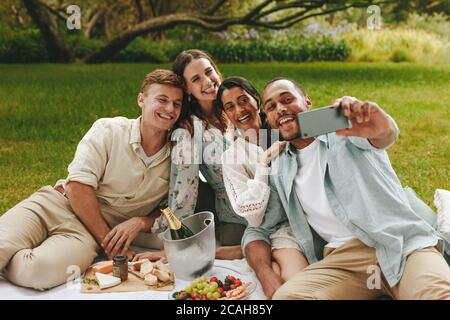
[
  {"x": 352, "y": 272},
  {"x": 42, "y": 243}
]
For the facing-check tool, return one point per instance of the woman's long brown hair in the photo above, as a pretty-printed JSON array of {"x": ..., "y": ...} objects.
[{"x": 192, "y": 107}]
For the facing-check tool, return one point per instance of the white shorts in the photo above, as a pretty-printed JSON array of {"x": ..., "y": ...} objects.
[{"x": 284, "y": 239}]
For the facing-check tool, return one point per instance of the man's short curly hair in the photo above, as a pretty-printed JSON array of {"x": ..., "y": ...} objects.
[{"x": 161, "y": 76}]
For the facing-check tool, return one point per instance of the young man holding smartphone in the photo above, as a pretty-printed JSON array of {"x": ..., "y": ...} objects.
[{"x": 342, "y": 187}]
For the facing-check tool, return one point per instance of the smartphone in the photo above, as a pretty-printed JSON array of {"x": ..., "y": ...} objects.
[{"x": 320, "y": 121}]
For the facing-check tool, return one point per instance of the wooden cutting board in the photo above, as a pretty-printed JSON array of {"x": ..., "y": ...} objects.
[{"x": 134, "y": 283}]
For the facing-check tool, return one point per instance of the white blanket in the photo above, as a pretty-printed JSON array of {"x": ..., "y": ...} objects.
[{"x": 71, "y": 291}]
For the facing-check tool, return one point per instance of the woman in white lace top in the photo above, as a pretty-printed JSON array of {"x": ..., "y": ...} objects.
[{"x": 245, "y": 167}]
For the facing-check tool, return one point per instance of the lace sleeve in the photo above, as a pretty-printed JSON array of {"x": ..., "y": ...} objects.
[{"x": 248, "y": 195}]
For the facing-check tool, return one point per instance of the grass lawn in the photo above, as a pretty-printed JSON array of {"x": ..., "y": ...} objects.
[{"x": 45, "y": 110}]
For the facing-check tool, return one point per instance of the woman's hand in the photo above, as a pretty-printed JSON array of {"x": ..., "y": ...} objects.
[
  {"x": 152, "y": 256},
  {"x": 121, "y": 236},
  {"x": 274, "y": 150}
]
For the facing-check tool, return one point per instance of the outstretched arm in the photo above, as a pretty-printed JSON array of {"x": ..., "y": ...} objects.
[{"x": 368, "y": 121}]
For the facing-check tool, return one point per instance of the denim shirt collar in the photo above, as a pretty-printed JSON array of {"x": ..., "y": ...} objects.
[{"x": 292, "y": 151}]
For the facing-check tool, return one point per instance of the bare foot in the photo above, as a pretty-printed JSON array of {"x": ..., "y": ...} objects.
[{"x": 229, "y": 253}]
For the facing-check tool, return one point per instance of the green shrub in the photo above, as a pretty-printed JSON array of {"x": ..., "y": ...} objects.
[
  {"x": 298, "y": 49},
  {"x": 397, "y": 45},
  {"x": 400, "y": 55},
  {"x": 22, "y": 46},
  {"x": 27, "y": 46},
  {"x": 141, "y": 50},
  {"x": 437, "y": 23},
  {"x": 81, "y": 46}
]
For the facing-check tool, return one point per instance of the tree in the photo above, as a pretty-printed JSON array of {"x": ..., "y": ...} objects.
[
  {"x": 156, "y": 16},
  {"x": 213, "y": 19},
  {"x": 57, "y": 48}
]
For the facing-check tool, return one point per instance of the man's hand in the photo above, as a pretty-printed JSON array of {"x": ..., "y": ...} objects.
[
  {"x": 121, "y": 236},
  {"x": 368, "y": 121}
]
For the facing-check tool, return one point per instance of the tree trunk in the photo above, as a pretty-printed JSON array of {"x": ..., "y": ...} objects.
[
  {"x": 139, "y": 11},
  {"x": 92, "y": 22},
  {"x": 123, "y": 39},
  {"x": 57, "y": 48}
]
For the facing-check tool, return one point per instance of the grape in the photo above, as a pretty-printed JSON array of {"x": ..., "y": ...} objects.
[
  {"x": 214, "y": 285},
  {"x": 216, "y": 295},
  {"x": 188, "y": 290},
  {"x": 209, "y": 295}
]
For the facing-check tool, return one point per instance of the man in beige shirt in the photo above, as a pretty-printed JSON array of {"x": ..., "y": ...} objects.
[{"x": 119, "y": 174}]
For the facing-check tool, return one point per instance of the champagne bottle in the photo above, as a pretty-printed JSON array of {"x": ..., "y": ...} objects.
[{"x": 178, "y": 230}]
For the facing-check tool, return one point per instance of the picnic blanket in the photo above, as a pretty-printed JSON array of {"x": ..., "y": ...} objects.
[{"x": 72, "y": 290}]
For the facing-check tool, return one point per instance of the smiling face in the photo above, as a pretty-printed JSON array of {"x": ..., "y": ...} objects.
[
  {"x": 282, "y": 100},
  {"x": 161, "y": 105},
  {"x": 202, "y": 80},
  {"x": 241, "y": 108}
]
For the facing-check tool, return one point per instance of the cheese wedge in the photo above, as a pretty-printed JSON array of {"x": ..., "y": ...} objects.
[
  {"x": 161, "y": 275},
  {"x": 150, "y": 280},
  {"x": 106, "y": 281},
  {"x": 146, "y": 268},
  {"x": 161, "y": 266},
  {"x": 103, "y": 267}
]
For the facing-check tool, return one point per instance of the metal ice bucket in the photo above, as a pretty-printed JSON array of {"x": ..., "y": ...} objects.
[{"x": 192, "y": 257}]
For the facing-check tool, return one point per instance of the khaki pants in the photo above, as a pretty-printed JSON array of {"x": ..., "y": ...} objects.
[
  {"x": 42, "y": 243},
  {"x": 348, "y": 273}
]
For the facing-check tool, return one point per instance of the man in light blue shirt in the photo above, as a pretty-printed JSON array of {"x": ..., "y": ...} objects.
[{"x": 342, "y": 187}]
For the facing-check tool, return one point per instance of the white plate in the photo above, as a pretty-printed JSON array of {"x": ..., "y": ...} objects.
[{"x": 219, "y": 272}]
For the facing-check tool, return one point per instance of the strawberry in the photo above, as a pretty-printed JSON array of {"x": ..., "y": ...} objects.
[
  {"x": 238, "y": 283},
  {"x": 232, "y": 279},
  {"x": 233, "y": 286}
]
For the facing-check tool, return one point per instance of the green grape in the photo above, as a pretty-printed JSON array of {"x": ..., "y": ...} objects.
[
  {"x": 209, "y": 295},
  {"x": 188, "y": 290},
  {"x": 216, "y": 295},
  {"x": 200, "y": 285},
  {"x": 214, "y": 285}
]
